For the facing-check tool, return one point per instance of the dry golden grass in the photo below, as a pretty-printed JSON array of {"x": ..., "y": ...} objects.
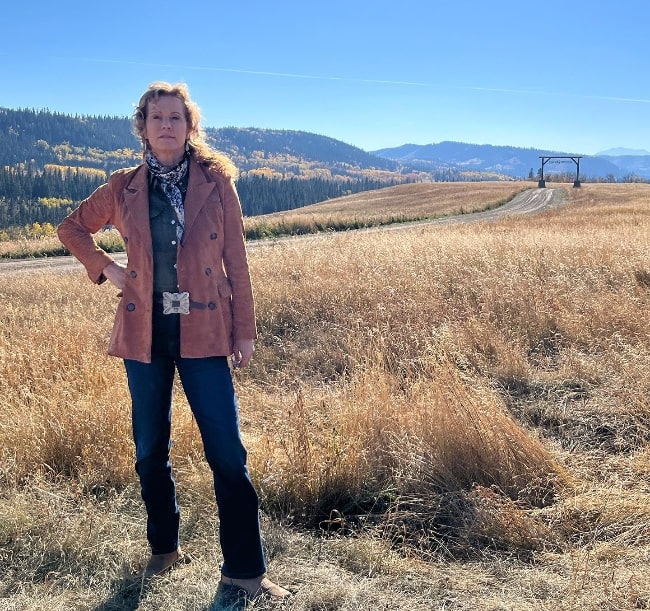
[
  {"x": 50, "y": 246},
  {"x": 439, "y": 418},
  {"x": 414, "y": 200},
  {"x": 407, "y": 202}
]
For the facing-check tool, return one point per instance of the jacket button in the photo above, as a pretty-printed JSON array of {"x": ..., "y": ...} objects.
[
  {"x": 212, "y": 305},
  {"x": 208, "y": 271},
  {"x": 130, "y": 307},
  {"x": 213, "y": 236},
  {"x": 126, "y": 239},
  {"x": 133, "y": 274}
]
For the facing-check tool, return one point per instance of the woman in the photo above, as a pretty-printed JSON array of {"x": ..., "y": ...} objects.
[{"x": 187, "y": 305}]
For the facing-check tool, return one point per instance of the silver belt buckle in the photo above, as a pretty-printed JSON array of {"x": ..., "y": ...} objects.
[{"x": 176, "y": 303}]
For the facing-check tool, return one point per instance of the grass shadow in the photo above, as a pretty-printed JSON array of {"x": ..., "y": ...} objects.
[
  {"x": 126, "y": 595},
  {"x": 228, "y": 598}
]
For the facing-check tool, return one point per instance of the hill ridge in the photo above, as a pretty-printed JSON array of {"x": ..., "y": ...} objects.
[{"x": 26, "y": 134}]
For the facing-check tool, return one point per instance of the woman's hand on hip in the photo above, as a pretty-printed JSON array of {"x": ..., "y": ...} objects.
[
  {"x": 115, "y": 273},
  {"x": 243, "y": 353}
]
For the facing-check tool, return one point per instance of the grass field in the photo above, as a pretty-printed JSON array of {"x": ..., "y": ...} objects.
[
  {"x": 445, "y": 417},
  {"x": 403, "y": 203}
]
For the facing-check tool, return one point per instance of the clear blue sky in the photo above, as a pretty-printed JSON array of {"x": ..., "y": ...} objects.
[{"x": 570, "y": 76}]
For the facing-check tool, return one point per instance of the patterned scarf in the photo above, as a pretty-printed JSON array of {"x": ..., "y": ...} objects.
[{"x": 169, "y": 179}]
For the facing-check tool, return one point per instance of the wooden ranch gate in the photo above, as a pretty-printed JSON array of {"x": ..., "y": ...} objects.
[{"x": 545, "y": 159}]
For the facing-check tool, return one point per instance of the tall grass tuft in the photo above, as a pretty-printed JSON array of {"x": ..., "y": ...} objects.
[{"x": 377, "y": 452}]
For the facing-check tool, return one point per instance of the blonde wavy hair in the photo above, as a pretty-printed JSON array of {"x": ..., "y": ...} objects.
[{"x": 199, "y": 147}]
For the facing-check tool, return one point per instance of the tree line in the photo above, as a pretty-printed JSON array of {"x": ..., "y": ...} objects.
[
  {"x": 28, "y": 196},
  {"x": 263, "y": 195},
  {"x": 22, "y": 130}
]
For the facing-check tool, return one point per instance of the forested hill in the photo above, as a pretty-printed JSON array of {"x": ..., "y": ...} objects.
[
  {"x": 246, "y": 143},
  {"x": 42, "y": 137},
  {"x": 49, "y": 161}
]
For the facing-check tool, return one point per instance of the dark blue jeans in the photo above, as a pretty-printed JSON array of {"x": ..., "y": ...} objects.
[{"x": 208, "y": 386}]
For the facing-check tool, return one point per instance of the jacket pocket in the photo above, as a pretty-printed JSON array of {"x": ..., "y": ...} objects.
[{"x": 224, "y": 288}]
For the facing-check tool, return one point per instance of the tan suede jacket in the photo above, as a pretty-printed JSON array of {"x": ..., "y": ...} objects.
[{"x": 211, "y": 265}]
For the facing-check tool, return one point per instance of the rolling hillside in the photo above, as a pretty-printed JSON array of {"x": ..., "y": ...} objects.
[{"x": 38, "y": 138}]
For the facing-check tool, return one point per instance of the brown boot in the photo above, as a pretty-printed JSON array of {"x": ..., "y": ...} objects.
[
  {"x": 257, "y": 586},
  {"x": 160, "y": 563}
]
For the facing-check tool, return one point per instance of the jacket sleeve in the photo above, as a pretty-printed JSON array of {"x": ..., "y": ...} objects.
[
  {"x": 77, "y": 229},
  {"x": 236, "y": 263}
]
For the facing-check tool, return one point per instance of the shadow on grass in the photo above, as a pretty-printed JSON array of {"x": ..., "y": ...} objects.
[
  {"x": 125, "y": 595},
  {"x": 228, "y": 598}
]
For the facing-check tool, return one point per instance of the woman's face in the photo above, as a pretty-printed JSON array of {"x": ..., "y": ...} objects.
[{"x": 166, "y": 129}]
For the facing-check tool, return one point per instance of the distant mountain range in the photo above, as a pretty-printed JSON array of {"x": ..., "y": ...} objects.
[
  {"x": 621, "y": 152},
  {"x": 517, "y": 162}
]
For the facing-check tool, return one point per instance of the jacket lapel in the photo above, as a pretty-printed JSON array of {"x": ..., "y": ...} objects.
[
  {"x": 136, "y": 204},
  {"x": 198, "y": 192}
]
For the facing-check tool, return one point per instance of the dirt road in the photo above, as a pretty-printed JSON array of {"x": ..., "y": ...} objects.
[
  {"x": 531, "y": 201},
  {"x": 528, "y": 202}
]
